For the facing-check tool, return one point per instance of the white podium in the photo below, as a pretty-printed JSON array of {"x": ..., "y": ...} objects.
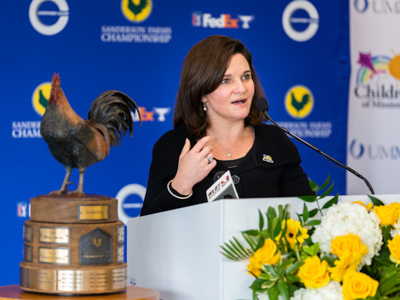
[{"x": 178, "y": 252}]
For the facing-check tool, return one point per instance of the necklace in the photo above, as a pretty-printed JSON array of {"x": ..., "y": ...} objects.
[{"x": 228, "y": 151}]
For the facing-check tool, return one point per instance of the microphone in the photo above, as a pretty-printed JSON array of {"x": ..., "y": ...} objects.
[
  {"x": 262, "y": 104},
  {"x": 223, "y": 187}
]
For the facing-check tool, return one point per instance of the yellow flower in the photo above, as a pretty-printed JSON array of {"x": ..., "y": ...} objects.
[
  {"x": 388, "y": 214},
  {"x": 347, "y": 263},
  {"x": 358, "y": 286},
  {"x": 394, "y": 247},
  {"x": 367, "y": 207},
  {"x": 314, "y": 272},
  {"x": 294, "y": 232},
  {"x": 267, "y": 254},
  {"x": 348, "y": 243}
]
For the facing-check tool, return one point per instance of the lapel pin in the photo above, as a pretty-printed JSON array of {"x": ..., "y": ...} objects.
[{"x": 267, "y": 158}]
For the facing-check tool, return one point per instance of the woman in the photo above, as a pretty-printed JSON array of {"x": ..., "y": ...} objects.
[{"x": 218, "y": 126}]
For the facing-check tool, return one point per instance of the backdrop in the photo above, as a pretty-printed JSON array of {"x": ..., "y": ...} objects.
[{"x": 300, "y": 50}]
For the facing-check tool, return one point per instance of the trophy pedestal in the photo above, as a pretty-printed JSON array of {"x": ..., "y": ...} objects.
[{"x": 73, "y": 245}]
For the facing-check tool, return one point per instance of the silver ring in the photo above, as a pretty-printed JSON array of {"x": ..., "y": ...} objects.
[{"x": 210, "y": 158}]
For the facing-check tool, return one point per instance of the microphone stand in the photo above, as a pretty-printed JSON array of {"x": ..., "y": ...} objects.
[{"x": 268, "y": 118}]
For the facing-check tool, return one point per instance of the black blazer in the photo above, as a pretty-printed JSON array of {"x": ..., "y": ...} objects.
[{"x": 281, "y": 176}]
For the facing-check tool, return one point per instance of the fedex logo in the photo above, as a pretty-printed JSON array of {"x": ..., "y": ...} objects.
[{"x": 224, "y": 21}]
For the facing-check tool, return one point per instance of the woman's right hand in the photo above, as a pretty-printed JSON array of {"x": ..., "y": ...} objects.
[{"x": 193, "y": 166}]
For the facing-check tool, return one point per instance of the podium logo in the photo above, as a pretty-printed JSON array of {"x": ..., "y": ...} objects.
[
  {"x": 40, "y": 97},
  {"x": 136, "y": 11},
  {"x": 49, "y": 21},
  {"x": 299, "y": 102},
  {"x": 294, "y": 25}
]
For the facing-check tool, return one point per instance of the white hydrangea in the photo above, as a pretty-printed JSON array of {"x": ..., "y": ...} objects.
[
  {"x": 344, "y": 218},
  {"x": 332, "y": 291},
  {"x": 396, "y": 229}
]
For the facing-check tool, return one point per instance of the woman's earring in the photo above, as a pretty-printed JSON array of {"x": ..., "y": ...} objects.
[{"x": 204, "y": 106}]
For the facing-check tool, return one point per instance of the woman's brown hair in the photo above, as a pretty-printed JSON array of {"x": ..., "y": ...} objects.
[{"x": 202, "y": 72}]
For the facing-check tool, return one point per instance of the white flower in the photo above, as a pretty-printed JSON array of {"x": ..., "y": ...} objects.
[
  {"x": 396, "y": 229},
  {"x": 332, "y": 291},
  {"x": 345, "y": 218}
]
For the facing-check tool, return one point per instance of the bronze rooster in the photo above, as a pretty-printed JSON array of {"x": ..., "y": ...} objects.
[{"x": 77, "y": 143}]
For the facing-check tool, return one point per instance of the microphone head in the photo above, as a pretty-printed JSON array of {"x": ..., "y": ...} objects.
[{"x": 262, "y": 104}]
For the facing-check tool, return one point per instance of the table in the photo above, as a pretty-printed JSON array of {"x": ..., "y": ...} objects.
[{"x": 14, "y": 292}]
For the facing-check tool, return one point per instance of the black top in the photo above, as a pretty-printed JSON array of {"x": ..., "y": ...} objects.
[{"x": 270, "y": 169}]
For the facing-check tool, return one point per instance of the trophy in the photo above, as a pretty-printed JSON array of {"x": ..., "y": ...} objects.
[{"x": 74, "y": 243}]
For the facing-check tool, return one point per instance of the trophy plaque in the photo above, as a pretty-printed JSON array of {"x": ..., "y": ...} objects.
[{"x": 73, "y": 245}]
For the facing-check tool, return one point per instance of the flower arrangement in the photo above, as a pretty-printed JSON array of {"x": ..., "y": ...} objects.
[{"x": 350, "y": 252}]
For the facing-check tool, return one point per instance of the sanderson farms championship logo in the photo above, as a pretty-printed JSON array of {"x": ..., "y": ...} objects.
[
  {"x": 378, "y": 80},
  {"x": 136, "y": 11},
  {"x": 299, "y": 102}
]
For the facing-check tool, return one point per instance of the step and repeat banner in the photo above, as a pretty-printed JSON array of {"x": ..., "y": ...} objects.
[
  {"x": 301, "y": 55},
  {"x": 374, "y": 96}
]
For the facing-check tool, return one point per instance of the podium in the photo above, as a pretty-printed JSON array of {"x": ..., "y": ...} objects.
[{"x": 178, "y": 252}]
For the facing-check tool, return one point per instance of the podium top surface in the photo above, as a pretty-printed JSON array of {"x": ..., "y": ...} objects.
[{"x": 14, "y": 292}]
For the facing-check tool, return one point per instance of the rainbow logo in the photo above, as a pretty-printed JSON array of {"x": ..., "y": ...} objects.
[{"x": 371, "y": 66}]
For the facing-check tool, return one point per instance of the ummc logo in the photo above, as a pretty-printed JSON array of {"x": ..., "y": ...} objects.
[
  {"x": 378, "y": 6},
  {"x": 374, "y": 151},
  {"x": 292, "y": 25},
  {"x": 356, "y": 150},
  {"x": 361, "y": 5},
  {"x": 132, "y": 207},
  {"x": 136, "y": 11},
  {"x": 223, "y": 21},
  {"x": 36, "y": 15},
  {"x": 299, "y": 102}
]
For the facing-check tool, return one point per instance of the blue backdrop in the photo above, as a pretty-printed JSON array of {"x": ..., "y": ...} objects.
[{"x": 300, "y": 50}]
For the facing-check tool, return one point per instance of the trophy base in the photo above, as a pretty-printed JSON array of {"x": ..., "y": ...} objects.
[{"x": 101, "y": 279}]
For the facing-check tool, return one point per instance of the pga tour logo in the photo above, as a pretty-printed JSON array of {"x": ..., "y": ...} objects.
[{"x": 223, "y": 21}]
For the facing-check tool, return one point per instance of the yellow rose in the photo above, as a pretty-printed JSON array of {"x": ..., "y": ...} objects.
[
  {"x": 388, "y": 214},
  {"x": 347, "y": 263},
  {"x": 294, "y": 232},
  {"x": 267, "y": 254},
  {"x": 348, "y": 243},
  {"x": 314, "y": 272},
  {"x": 394, "y": 247},
  {"x": 358, "y": 286},
  {"x": 367, "y": 207}
]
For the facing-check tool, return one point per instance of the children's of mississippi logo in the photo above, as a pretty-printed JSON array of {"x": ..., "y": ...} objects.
[
  {"x": 299, "y": 102},
  {"x": 40, "y": 97},
  {"x": 136, "y": 11},
  {"x": 378, "y": 79}
]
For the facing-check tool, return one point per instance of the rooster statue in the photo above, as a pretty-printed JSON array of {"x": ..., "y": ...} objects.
[{"x": 76, "y": 143}]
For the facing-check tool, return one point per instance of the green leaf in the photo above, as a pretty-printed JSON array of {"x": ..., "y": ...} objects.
[
  {"x": 294, "y": 267},
  {"x": 261, "y": 223},
  {"x": 325, "y": 184},
  {"x": 375, "y": 201},
  {"x": 313, "y": 213},
  {"x": 327, "y": 192},
  {"x": 331, "y": 202},
  {"x": 292, "y": 278},
  {"x": 314, "y": 187},
  {"x": 313, "y": 223},
  {"x": 251, "y": 232},
  {"x": 305, "y": 213},
  {"x": 310, "y": 198},
  {"x": 283, "y": 289},
  {"x": 276, "y": 228},
  {"x": 273, "y": 293}
]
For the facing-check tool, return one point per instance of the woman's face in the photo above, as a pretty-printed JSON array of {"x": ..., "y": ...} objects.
[{"x": 231, "y": 101}]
